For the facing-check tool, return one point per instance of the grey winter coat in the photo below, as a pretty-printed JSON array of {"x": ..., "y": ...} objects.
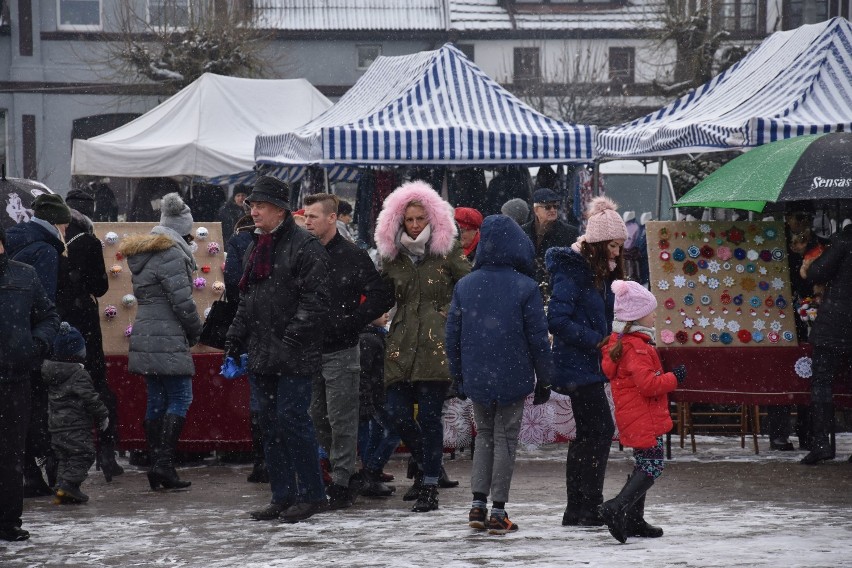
[
  {"x": 167, "y": 322},
  {"x": 72, "y": 398}
]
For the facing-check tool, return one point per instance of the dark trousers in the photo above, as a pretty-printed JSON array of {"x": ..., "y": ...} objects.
[
  {"x": 424, "y": 437},
  {"x": 588, "y": 453},
  {"x": 14, "y": 418},
  {"x": 38, "y": 436},
  {"x": 75, "y": 453},
  {"x": 826, "y": 364}
]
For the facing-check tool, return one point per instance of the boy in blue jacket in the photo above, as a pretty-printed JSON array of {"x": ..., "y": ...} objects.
[{"x": 497, "y": 346}]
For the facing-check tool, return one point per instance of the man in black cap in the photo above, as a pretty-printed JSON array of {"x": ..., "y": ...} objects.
[
  {"x": 28, "y": 324},
  {"x": 546, "y": 230},
  {"x": 283, "y": 305}
]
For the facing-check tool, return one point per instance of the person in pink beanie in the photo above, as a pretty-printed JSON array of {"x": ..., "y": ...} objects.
[
  {"x": 579, "y": 317},
  {"x": 639, "y": 389}
]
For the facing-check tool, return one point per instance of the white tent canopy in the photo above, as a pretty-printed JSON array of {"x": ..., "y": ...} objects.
[
  {"x": 206, "y": 130},
  {"x": 794, "y": 83}
]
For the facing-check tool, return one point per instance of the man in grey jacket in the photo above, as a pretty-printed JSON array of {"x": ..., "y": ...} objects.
[{"x": 283, "y": 303}]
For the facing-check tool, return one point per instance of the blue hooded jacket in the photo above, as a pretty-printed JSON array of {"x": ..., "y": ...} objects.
[
  {"x": 579, "y": 316},
  {"x": 496, "y": 328},
  {"x": 33, "y": 244}
]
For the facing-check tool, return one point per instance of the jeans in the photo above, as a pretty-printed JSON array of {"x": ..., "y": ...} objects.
[
  {"x": 289, "y": 440},
  {"x": 376, "y": 443},
  {"x": 168, "y": 394},
  {"x": 423, "y": 437},
  {"x": 254, "y": 398},
  {"x": 14, "y": 417},
  {"x": 334, "y": 410},
  {"x": 497, "y": 429}
]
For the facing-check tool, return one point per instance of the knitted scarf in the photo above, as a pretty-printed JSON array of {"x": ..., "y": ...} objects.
[
  {"x": 259, "y": 265},
  {"x": 414, "y": 247},
  {"x": 618, "y": 327},
  {"x": 472, "y": 244}
]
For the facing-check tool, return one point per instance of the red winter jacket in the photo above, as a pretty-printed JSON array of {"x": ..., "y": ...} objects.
[{"x": 639, "y": 388}]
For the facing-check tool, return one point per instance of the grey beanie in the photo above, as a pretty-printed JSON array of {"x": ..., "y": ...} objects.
[
  {"x": 517, "y": 209},
  {"x": 175, "y": 214}
]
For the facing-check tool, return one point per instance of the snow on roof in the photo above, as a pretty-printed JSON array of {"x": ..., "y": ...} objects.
[
  {"x": 461, "y": 15},
  {"x": 352, "y": 14}
]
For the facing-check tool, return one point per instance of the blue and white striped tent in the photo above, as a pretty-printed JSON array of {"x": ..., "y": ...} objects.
[
  {"x": 432, "y": 107},
  {"x": 794, "y": 83}
]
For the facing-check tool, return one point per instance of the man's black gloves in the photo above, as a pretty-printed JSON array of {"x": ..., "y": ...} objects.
[
  {"x": 680, "y": 374},
  {"x": 234, "y": 348}
]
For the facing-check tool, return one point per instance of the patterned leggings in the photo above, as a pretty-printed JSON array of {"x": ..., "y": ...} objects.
[{"x": 649, "y": 461}]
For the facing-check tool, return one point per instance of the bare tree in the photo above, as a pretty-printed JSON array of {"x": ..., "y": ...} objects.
[{"x": 173, "y": 42}]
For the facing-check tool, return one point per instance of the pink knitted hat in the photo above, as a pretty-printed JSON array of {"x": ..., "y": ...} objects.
[
  {"x": 632, "y": 300},
  {"x": 603, "y": 223}
]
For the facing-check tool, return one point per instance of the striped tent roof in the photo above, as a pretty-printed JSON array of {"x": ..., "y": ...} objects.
[
  {"x": 432, "y": 107},
  {"x": 794, "y": 83}
]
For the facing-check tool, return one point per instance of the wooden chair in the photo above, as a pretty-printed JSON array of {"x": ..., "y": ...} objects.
[{"x": 745, "y": 419}]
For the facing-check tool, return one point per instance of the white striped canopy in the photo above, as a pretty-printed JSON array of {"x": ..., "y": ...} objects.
[
  {"x": 432, "y": 107},
  {"x": 794, "y": 83}
]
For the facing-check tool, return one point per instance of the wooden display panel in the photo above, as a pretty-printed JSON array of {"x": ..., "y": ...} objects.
[
  {"x": 120, "y": 284},
  {"x": 721, "y": 284}
]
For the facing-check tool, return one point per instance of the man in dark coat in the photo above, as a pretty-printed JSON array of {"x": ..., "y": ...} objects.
[
  {"x": 28, "y": 323},
  {"x": 280, "y": 325},
  {"x": 831, "y": 336},
  {"x": 82, "y": 280},
  {"x": 334, "y": 406},
  {"x": 546, "y": 230}
]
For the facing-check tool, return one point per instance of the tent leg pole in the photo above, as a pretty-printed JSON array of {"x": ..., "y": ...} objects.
[{"x": 659, "y": 206}]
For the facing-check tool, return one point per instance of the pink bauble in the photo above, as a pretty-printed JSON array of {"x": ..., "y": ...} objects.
[
  {"x": 199, "y": 283},
  {"x": 213, "y": 249},
  {"x": 110, "y": 311},
  {"x": 128, "y": 331}
]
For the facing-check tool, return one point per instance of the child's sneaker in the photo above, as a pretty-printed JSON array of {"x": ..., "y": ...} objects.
[
  {"x": 478, "y": 518},
  {"x": 501, "y": 525}
]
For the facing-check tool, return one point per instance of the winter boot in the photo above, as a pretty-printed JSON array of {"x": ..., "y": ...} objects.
[
  {"x": 34, "y": 485},
  {"x": 373, "y": 485},
  {"x": 594, "y": 456},
  {"x": 338, "y": 497},
  {"x": 822, "y": 421},
  {"x": 69, "y": 493},
  {"x": 571, "y": 516},
  {"x": 153, "y": 433},
  {"x": 614, "y": 512},
  {"x": 164, "y": 470},
  {"x": 444, "y": 481},
  {"x": 427, "y": 499},
  {"x": 636, "y": 524},
  {"x": 106, "y": 459},
  {"x": 259, "y": 473},
  {"x": 414, "y": 492}
]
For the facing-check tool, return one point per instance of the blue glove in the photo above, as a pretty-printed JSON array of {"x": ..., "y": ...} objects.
[{"x": 231, "y": 370}]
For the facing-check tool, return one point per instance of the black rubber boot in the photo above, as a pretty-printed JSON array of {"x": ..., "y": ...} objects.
[
  {"x": 822, "y": 420},
  {"x": 34, "y": 485},
  {"x": 106, "y": 458},
  {"x": 427, "y": 499},
  {"x": 614, "y": 511},
  {"x": 444, "y": 481},
  {"x": 259, "y": 473},
  {"x": 153, "y": 433},
  {"x": 594, "y": 458},
  {"x": 636, "y": 524},
  {"x": 164, "y": 469},
  {"x": 571, "y": 516}
]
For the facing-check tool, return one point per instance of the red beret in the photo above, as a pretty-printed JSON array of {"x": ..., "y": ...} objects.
[{"x": 468, "y": 218}]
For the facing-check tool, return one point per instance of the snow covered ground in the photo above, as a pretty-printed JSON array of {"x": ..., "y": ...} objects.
[{"x": 723, "y": 506}]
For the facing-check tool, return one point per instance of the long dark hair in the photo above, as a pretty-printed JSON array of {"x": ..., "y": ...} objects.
[
  {"x": 618, "y": 349},
  {"x": 597, "y": 254}
]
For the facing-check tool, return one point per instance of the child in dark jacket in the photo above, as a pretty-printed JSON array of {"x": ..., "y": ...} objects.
[
  {"x": 73, "y": 406},
  {"x": 497, "y": 346},
  {"x": 639, "y": 389}
]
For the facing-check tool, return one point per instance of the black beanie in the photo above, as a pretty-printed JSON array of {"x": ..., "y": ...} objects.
[
  {"x": 51, "y": 208},
  {"x": 81, "y": 201}
]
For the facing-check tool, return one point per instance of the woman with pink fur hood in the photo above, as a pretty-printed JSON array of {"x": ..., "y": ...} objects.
[{"x": 421, "y": 261}]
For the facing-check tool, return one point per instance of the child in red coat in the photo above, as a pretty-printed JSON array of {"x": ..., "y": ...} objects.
[{"x": 639, "y": 389}]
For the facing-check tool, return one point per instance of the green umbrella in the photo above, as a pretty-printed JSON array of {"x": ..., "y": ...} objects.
[{"x": 796, "y": 169}]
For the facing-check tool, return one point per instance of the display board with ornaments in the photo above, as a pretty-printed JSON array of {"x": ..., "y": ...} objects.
[
  {"x": 118, "y": 306},
  {"x": 721, "y": 284}
]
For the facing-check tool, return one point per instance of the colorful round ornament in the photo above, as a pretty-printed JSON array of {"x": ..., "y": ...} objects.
[
  {"x": 213, "y": 249},
  {"x": 205, "y": 269},
  {"x": 111, "y": 238},
  {"x": 199, "y": 283},
  {"x": 723, "y": 253},
  {"x": 726, "y": 338},
  {"x": 128, "y": 300},
  {"x": 744, "y": 335},
  {"x": 218, "y": 286},
  {"x": 665, "y": 256},
  {"x": 765, "y": 255},
  {"x": 110, "y": 312},
  {"x": 681, "y": 337},
  {"x": 739, "y": 253},
  {"x": 693, "y": 251},
  {"x": 201, "y": 233},
  {"x": 128, "y": 331},
  {"x": 698, "y": 337},
  {"x": 667, "y": 336},
  {"x": 678, "y": 255},
  {"x": 690, "y": 268},
  {"x": 115, "y": 269}
]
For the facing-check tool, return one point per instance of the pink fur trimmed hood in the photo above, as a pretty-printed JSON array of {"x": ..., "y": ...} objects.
[{"x": 390, "y": 219}]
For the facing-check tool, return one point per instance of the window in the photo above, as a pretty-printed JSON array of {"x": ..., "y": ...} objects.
[
  {"x": 622, "y": 65},
  {"x": 527, "y": 64},
  {"x": 467, "y": 49},
  {"x": 79, "y": 14},
  {"x": 800, "y": 12},
  {"x": 168, "y": 13},
  {"x": 738, "y": 15},
  {"x": 366, "y": 54}
]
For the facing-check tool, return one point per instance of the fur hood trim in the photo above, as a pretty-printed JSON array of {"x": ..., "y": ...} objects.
[
  {"x": 141, "y": 244},
  {"x": 440, "y": 214}
]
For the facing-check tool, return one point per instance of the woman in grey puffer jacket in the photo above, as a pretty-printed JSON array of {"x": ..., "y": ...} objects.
[{"x": 166, "y": 326}]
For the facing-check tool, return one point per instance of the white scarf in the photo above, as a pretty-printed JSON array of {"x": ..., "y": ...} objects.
[
  {"x": 414, "y": 247},
  {"x": 618, "y": 326}
]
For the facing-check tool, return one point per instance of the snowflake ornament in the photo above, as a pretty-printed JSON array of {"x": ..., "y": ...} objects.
[
  {"x": 758, "y": 325},
  {"x": 762, "y": 270},
  {"x": 663, "y": 284},
  {"x": 713, "y": 266},
  {"x": 679, "y": 281},
  {"x": 704, "y": 228},
  {"x": 804, "y": 367},
  {"x": 777, "y": 284},
  {"x": 733, "y": 326},
  {"x": 719, "y": 323},
  {"x": 703, "y": 321},
  {"x": 775, "y": 326},
  {"x": 758, "y": 240},
  {"x": 702, "y": 278},
  {"x": 728, "y": 281},
  {"x": 713, "y": 283},
  {"x": 688, "y": 323}
]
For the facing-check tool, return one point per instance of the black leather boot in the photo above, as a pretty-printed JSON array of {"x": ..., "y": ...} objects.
[
  {"x": 444, "y": 481},
  {"x": 614, "y": 511},
  {"x": 822, "y": 420},
  {"x": 593, "y": 462},
  {"x": 106, "y": 459},
  {"x": 153, "y": 433},
  {"x": 427, "y": 499},
  {"x": 373, "y": 485},
  {"x": 259, "y": 473},
  {"x": 636, "y": 524},
  {"x": 164, "y": 469}
]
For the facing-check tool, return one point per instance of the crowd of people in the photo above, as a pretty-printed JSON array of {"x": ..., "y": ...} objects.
[{"x": 331, "y": 382}]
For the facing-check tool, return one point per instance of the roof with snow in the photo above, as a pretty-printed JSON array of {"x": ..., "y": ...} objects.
[
  {"x": 794, "y": 83},
  {"x": 459, "y": 15},
  {"x": 432, "y": 107}
]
